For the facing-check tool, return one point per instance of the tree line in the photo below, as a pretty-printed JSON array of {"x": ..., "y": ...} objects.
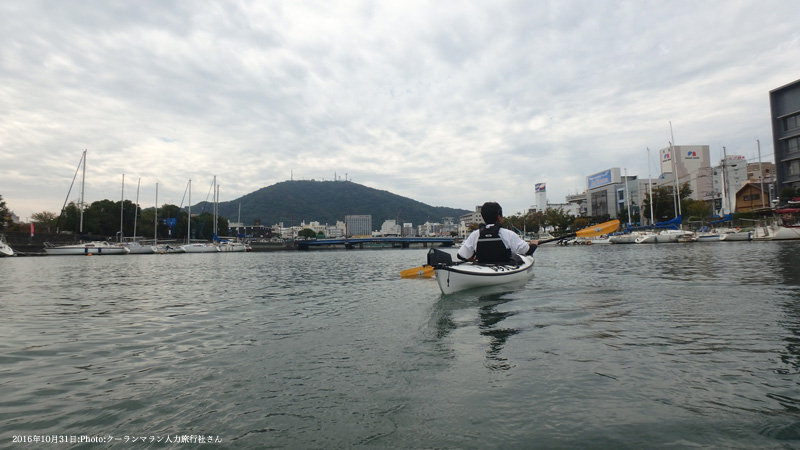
[{"x": 108, "y": 218}]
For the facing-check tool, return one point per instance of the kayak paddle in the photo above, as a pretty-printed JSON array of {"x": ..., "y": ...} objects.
[
  {"x": 421, "y": 271},
  {"x": 595, "y": 230}
]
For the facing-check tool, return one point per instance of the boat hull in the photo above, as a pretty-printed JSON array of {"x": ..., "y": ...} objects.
[
  {"x": 200, "y": 248},
  {"x": 737, "y": 236},
  {"x": 137, "y": 248},
  {"x": 232, "y": 247},
  {"x": 465, "y": 276},
  {"x": 90, "y": 248},
  {"x": 776, "y": 233}
]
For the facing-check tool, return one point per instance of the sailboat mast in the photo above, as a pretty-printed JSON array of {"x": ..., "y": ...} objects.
[
  {"x": 627, "y": 197},
  {"x": 725, "y": 180},
  {"x": 189, "y": 214},
  {"x": 122, "y": 208},
  {"x": 675, "y": 169},
  {"x": 760, "y": 173},
  {"x": 216, "y": 199},
  {"x": 136, "y": 208},
  {"x": 650, "y": 186},
  {"x": 155, "y": 221},
  {"x": 83, "y": 184}
]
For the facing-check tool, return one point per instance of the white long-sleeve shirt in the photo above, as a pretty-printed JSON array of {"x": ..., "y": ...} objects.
[{"x": 509, "y": 238}]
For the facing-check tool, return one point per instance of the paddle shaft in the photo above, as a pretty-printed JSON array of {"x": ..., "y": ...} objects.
[{"x": 566, "y": 236}]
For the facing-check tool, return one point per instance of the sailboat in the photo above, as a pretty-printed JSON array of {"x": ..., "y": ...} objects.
[
  {"x": 134, "y": 246},
  {"x": 189, "y": 247},
  {"x": 224, "y": 245},
  {"x": 86, "y": 248}
]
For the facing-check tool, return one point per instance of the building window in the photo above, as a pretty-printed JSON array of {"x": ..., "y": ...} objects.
[
  {"x": 599, "y": 203},
  {"x": 791, "y": 123},
  {"x": 752, "y": 197},
  {"x": 794, "y": 167},
  {"x": 792, "y": 145}
]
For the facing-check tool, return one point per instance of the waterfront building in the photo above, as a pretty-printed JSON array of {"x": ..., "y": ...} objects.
[
  {"x": 358, "y": 225},
  {"x": 752, "y": 196},
  {"x": 690, "y": 163},
  {"x": 250, "y": 232},
  {"x": 467, "y": 220},
  {"x": 540, "y": 191},
  {"x": 785, "y": 114},
  {"x": 576, "y": 204},
  {"x": 610, "y": 193},
  {"x": 429, "y": 229},
  {"x": 726, "y": 179},
  {"x": 390, "y": 228}
]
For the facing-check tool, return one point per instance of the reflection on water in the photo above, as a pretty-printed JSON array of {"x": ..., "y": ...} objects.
[{"x": 482, "y": 315}]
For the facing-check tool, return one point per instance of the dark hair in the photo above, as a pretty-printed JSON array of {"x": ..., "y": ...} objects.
[{"x": 490, "y": 211}]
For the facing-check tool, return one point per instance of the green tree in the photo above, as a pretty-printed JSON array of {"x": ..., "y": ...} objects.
[
  {"x": 558, "y": 218},
  {"x": 4, "y": 214},
  {"x": 697, "y": 210},
  {"x": 69, "y": 220},
  {"x": 45, "y": 220},
  {"x": 307, "y": 233},
  {"x": 580, "y": 222},
  {"x": 663, "y": 201}
]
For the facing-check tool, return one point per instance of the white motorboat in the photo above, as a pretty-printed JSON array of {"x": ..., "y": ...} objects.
[
  {"x": 731, "y": 236},
  {"x": 139, "y": 248},
  {"x": 455, "y": 277},
  {"x": 666, "y": 236},
  {"x": 5, "y": 249},
  {"x": 87, "y": 248},
  {"x": 200, "y": 248},
  {"x": 628, "y": 238},
  {"x": 229, "y": 246},
  {"x": 708, "y": 237}
]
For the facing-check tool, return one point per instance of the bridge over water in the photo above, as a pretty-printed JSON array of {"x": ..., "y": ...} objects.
[{"x": 398, "y": 242}]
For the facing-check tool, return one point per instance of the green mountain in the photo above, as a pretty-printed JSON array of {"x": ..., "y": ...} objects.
[{"x": 292, "y": 202}]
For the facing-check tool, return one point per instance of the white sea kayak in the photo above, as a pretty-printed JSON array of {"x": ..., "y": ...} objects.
[{"x": 459, "y": 277}]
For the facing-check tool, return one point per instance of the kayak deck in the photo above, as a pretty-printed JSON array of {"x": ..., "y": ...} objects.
[{"x": 459, "y": 277}]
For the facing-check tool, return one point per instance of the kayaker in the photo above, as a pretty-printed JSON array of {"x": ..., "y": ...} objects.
[{"x": 492, "y": 244}]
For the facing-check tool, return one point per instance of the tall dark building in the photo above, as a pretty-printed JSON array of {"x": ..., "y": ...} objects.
[{"x": 785, "y": 110}]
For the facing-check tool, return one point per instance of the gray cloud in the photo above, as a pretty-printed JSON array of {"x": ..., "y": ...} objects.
[{"x": 449, "y": 103}]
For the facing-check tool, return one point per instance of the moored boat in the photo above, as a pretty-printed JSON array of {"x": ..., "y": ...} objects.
[
  {"x": 138, "y": 248},
  {"x": 627, "y": 238},
  {"x": 231, "y": 246},
  {"x": 786, "y": 226},
  {"x": 456, "y": 277},
  {"x": 200, "y": 248},
  {"x": 5, "y": 249},
  {"x": 735, "y": 235},
  {"x": 86, "y": 248}
]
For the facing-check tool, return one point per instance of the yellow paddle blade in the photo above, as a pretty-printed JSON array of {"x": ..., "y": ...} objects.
[
  {"x": 421, "y": 271},
  {"x": 597, "y": 230}
]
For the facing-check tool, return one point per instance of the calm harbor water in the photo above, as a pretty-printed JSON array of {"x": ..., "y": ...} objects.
[{"x": 621, "y": 346}]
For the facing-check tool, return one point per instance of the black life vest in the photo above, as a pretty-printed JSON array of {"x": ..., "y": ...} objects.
[{"x": 490, "y": 248}]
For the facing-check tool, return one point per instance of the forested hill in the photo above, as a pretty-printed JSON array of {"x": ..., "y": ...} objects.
[{"x": 292, "y": 202}]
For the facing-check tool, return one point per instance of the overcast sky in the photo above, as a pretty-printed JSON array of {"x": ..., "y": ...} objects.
[{"x": 451, "y": 103}]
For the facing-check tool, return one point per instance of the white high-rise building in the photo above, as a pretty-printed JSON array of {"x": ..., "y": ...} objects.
[{"x": 540, "y": 191}]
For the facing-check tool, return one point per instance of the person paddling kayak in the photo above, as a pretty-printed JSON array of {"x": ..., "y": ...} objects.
[{"x": 492, "y": 243}]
